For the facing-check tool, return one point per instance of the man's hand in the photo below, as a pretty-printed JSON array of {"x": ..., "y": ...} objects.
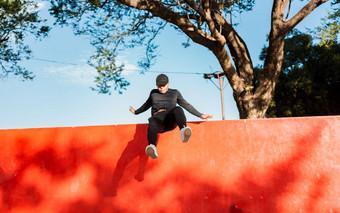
[
  {"x": 206, "y": 116},
  {"x": 132, "y": 110}
]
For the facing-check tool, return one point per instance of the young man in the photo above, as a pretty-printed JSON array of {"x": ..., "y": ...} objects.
[{"x": 165, "y": 115}]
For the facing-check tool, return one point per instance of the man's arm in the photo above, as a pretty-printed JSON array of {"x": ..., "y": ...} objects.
[
  {"x": 183, "y": 103},
  {"x": 143, "y": 108}
]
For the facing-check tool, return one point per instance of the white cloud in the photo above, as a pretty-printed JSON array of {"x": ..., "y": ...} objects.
[
  {"x": 82, "y": 74},
  {"x": 128, "y": 68},
  {"x": 39, "y": 6},
  {"x": 74, "y": 74}
]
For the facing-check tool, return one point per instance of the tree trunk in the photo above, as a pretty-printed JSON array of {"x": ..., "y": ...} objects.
[{"x": 253, "y": 103}]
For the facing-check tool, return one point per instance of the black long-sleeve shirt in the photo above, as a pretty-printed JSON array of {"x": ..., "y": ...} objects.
[{"x": 166, "y": 101}]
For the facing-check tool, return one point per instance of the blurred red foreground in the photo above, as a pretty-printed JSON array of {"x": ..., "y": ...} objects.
[{"x": 268, "y": 165}]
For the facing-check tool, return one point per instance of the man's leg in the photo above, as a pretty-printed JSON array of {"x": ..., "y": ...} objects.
[
  {"x": 177, "y": 116},
  {"x": 155, "y": 126}
]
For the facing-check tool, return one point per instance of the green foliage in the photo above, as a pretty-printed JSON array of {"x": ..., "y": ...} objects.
[
  {"x": 309, "y": 84},
  {"x": 18, "y": 19},
  {"x": 107, "y": 72},
  {"x": 329, "y": 31}
]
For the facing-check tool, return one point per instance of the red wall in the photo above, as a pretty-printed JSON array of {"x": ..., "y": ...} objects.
[{"x": 271, "y": 165}]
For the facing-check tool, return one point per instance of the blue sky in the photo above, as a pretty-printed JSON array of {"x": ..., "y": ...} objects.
[{"x": 60, "y": 94}]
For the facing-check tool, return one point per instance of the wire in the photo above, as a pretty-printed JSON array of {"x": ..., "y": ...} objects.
[
  {"x": 187, "y": 73},
  {"x": 53, "y": 61},
  {"x": 130, "y": 70},
  {"x": 214, "y": 83}
]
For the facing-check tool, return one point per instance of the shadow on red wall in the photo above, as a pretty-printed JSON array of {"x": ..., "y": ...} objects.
[
  {"x": 55, "y": 167},
  {"x": 134, "y": 149}
]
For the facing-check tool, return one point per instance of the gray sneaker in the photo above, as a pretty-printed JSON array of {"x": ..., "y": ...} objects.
[
  {"x": 151, "y": 151},
  {"x": 185, "y": 134}
]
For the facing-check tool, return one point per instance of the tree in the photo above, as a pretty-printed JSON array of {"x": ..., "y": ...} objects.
[
  {"x": 118, "y": 24},
  {"x": 18, "y": 19},
  {"x": 309, "y": 83}
]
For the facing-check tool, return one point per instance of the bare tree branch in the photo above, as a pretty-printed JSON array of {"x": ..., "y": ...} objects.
[
  {"x": 230, "y": 3},
  {"x": 214, "y": 32},
  {"x": 159, "y": 10},
  {"x": 303, "y": 13},
  {"x": 287, "y": 15}
]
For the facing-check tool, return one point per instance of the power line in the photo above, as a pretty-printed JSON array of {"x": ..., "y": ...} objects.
[
  {"x": 130, "y": 70},
  {"x": 187, "y": 73},
  {"x": 56, "y": 62}
]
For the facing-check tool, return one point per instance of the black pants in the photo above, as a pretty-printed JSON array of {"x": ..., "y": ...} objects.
[{"x": 165, "y": 121}]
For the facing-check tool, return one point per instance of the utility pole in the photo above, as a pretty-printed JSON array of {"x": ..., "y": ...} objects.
[{"x": 219, "y": 76}]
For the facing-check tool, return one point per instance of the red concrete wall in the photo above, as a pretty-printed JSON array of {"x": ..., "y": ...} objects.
[{"x": 272, "y": 165}]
